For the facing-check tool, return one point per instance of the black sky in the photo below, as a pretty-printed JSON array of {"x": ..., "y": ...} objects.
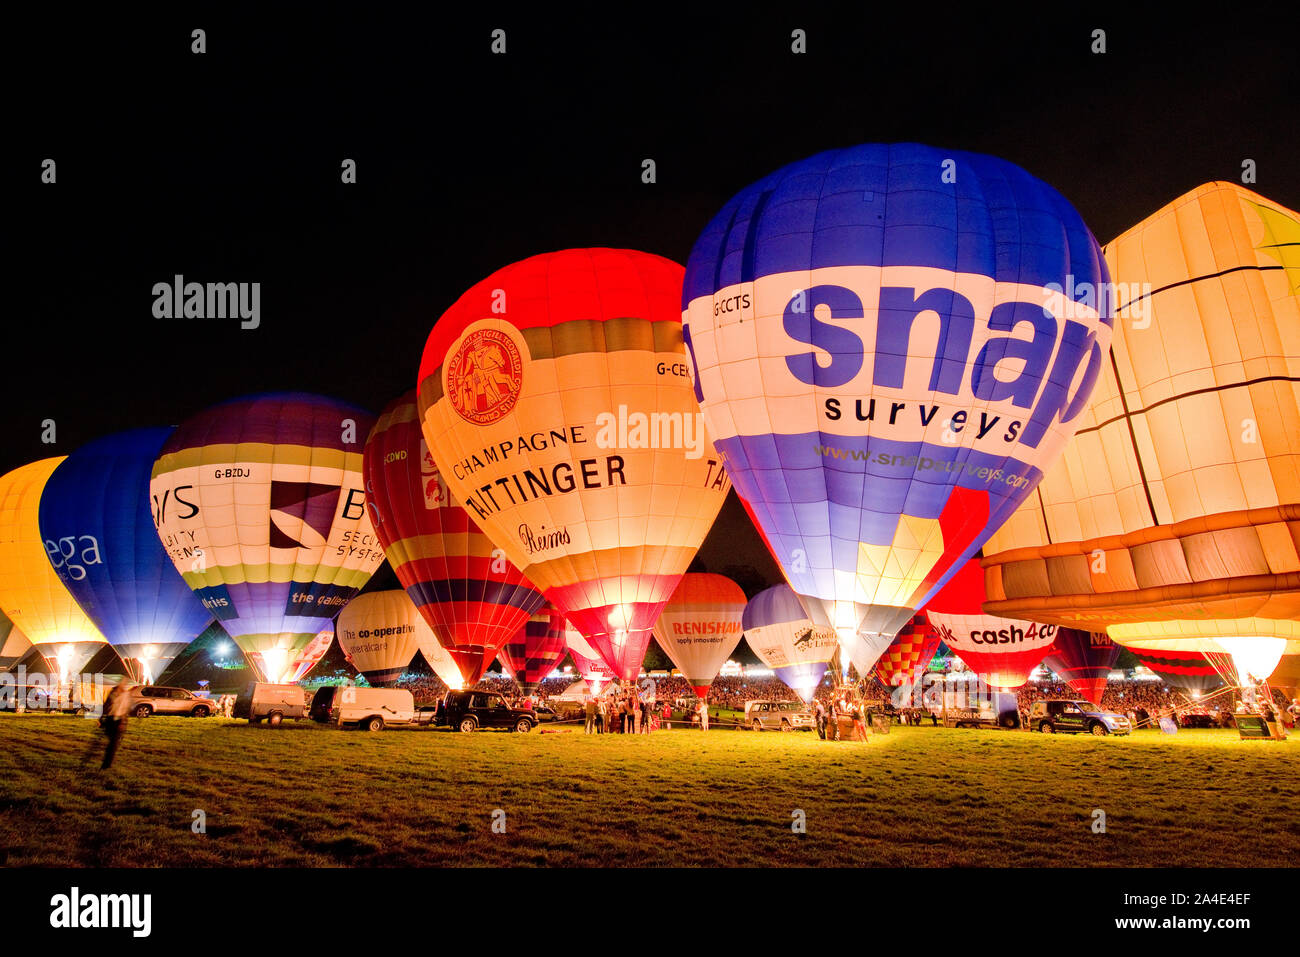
[{"x": 225, "y": 166}]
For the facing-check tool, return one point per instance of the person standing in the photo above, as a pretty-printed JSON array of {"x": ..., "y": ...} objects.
[
  {"x": 820, "y": 712},
  {"x": 703, "y": 710},
  {"x": 668, "y": 716},
  {"x": 590, "y": 708},
  {"x": 859, "y": 724}
]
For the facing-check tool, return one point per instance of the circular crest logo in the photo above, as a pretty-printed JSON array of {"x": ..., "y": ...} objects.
[{"x": 485, "y": 376}]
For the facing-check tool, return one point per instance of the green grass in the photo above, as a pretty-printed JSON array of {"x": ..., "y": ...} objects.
[{"x": 308, "y": 795}]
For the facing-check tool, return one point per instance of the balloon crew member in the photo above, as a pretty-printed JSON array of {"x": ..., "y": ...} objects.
[
  {"x": 703, "y": 710},
  {"x": 859, "y": 725},
  {"x": 820, "y": 711}
]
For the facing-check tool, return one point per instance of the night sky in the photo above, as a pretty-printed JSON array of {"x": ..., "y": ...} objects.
[{"x": 226, "y": 166}]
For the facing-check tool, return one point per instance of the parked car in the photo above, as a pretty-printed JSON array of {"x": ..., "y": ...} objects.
[
  {"x": 272, "y": 702},
  {"x": 1074, "y": 717},
  {"x": 546, "y": 713},
  {"x": 371, "y": 709},
  {"x": 471, "y": 710},
  {"x": 778, "y": 716},
  {"x": 155, "y": 699}
]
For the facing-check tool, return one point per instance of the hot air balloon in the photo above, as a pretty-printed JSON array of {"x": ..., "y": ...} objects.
[
  {"x": 31, "y": 593},
  {"x": 1286, "y": 676},
  {"x": 556, "y": 400},
  {"x": 890, "y": 344},
  {"x": 98, "y": 531},
  {"x": 1083, "y": 659},
  {"x": 309, "y": 657},
  {"x": 381, "y": 632},
  {"x": 535, "y": 650},
  {"x": 779, "y": 631},
  {"x": 1188, "y": 670},
  {"x": 259, "y": 503},
  {"x": 468, "y": 591},
  {"x": 911, "y": 652},
  {"x": 701, "y": 626},
  {"x": 587, "y": 660},
  {"x": 14, "y": 645},
  {"x": 1173, "y": 520},
  {"x": 1003, "y": 652}
]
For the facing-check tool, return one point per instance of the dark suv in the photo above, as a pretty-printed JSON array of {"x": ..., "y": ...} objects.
[
  {"x": 1052, "y": 716},
  {"x": 471, "y": 710}
]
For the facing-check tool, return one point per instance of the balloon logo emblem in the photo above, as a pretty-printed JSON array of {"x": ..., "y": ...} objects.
[
  {"x": 301, "y": 513},
  {"x": 485, "y": 377}
]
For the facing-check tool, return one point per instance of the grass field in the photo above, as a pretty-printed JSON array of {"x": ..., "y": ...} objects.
[{"x": 308, "y": 795}]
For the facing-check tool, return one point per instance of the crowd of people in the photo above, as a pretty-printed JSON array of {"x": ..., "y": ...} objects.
[{"x": 1144, "y": 702}]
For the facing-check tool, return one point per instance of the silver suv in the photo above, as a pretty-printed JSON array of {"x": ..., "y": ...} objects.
[
  {"x": 778, "y": 716},
  {"x": 155, "y": 699}
]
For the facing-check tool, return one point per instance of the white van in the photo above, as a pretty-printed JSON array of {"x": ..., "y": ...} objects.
[
  {"x": 368, "y": 708},
  {"x": 272, "y": 702}
]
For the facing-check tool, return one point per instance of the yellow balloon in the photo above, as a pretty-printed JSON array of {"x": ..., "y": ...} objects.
[
  {"x": 30, "y": 591},
  {"x": 381, "y": 631},
  {"x": 1173, "y": 519}
]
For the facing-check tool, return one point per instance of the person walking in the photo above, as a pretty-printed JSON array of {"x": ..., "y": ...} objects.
[
  {"x": 117, "y": 709},
  {"x": 590, "y": 708}
]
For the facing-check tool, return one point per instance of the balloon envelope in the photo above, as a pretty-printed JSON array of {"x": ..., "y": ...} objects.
[
  {"x": 381, "y": 632},
  {"x": 888, "y": 357},
  {"x": 555, "y": 398},
  {"x": 259, "y": 502},
  {"x": 591, "y": 667},
  {"x": 1185, "y": 473},
  {"x": 1188, "y": 670},
  {"x": 31, "y": 593},
  {"x": 1287, "y": 675},
  {"x": 701, "y": 626},
  {"x": 1002, "y": 651},
  {"x": 779, "y": 631},
  {"x": 13, "y": 643},
  {"x": 1083, "y": 659},
  {"x": 536, "y": 649},
  {"x": 910, "y": 653},
  {"x": 466, "y": 589},
  {"x": 309, "y": 657},
  {"x": 99, "y": 535}
]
